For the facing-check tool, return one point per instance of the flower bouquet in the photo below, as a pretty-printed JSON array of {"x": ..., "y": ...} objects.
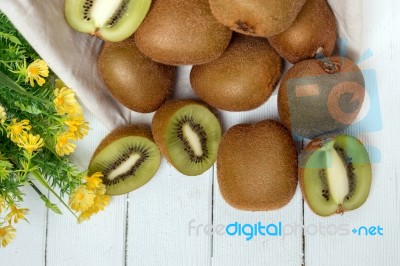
[{"x": 40, "y": 123}]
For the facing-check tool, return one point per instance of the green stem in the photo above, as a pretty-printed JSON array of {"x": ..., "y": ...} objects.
[
  {"x": 6, "y": 81},
  {"x": 44, "y": 183}
]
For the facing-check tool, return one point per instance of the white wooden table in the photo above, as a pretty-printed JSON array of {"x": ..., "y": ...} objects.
[{"x": 151, "y": 225}]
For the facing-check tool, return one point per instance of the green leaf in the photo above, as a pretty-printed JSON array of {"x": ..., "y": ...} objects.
[
  {"x": 10, "y": 37},
  {"x": 29, "y": 109},
  {"x": 50, "y": 205}
]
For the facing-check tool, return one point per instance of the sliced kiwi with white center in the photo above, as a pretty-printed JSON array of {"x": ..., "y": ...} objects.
[
  {"x": 110, "y": 20},
  {"x": 128, "y": 158},
  {"x": 188, "y": 134},
  {"x": 335, "y": 174}
]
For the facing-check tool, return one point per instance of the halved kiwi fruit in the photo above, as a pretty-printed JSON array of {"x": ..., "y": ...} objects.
[
  {"x": 335, "y": 174},
  {"x": 321, "y": 97},
  {"x": 243, "y": 78},
  {"x": 257, "y": 166},
  {"x": 127, "y": 157},
  {"x": 110, "y": 20},
  {"x": 188, "y": 134}
]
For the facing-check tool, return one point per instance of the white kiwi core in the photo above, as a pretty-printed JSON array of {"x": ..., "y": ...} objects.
[
  {"x": 124, "y": 166},
  {"x": 103, "y": 10},
  {"x": 338, "y": 181},
  {"x": 193, "y": 139}
]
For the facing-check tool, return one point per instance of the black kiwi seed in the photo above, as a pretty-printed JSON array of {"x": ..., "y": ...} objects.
[
  {"x": 200, "y": 132},
  {"x": 86, "y": 7},
  {"x": 118, "y": 14},
  {"x": 349, "y": 171},
  {"x": 136, "y": 149},
  {"x": 324, "y": 181}
]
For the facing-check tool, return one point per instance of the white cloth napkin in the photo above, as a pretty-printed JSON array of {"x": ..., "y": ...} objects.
[{"x": 72, "y": 55}]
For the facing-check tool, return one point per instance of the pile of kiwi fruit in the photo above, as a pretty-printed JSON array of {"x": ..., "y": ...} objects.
[{"x": 237, "y": 50}]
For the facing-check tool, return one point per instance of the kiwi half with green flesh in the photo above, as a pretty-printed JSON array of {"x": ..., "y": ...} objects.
[
  {"x": 335, "y": 174},
  {"x": 256, "y": 17},
  {"x": 188, "y": 134},
  {"x": 128, "y": 158},
  {"x": 243, "y": 78},
  {"x": 313, "y": 33},
  {"x": 110, "y": 20},
  {"x": 182, "y": 32},
  {"x": 133, "y": 79},
  {"x": 318, "y": 97},
  {"x": 257, "y": 166}
]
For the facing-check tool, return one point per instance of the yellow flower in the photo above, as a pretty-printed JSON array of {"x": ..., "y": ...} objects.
[
  {"x": 100, "y": 189},
  {"x": 15, "y": 130},
  {"x": 63, "y": 146},
  {"x": 84, "y": 216},
  {"x": 59, "y": 84},
  {"x": 77, "y": 126},
  {"x": 7, "y": 234},
  {"x": 2, "y": 204},
  {"x": 100, "y": 202},
  {"x": 65, "y": 102},
  {"x": 30, "y": 142},
  {"x": 81, "y": 199},
  {"x": 16, "y": 214},
  {"x": 3, "y": 115},
  {"x": 36, "y": 71},
  {"x": 93, "y": 181}
]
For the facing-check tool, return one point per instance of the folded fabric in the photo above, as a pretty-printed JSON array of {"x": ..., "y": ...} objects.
[{"x": 72, "y": 55}]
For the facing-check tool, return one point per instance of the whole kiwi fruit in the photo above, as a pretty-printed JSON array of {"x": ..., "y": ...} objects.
[
  {"x": 241, "y": 79},
  {"x": 335, "y": 174},
  {"x": 313, "y": 33},
  {"x": 127, "y": 157},
  {"x": 256, "y": 17},
  {"x": 321, "y": 97},
  {"x": 188, "y": 134},
  {"x": 182, "y": 32},
  {"x": 137, "y": 82},
  {"x": 257, "y": 166}
]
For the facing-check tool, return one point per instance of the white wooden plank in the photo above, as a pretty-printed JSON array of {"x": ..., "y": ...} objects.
[
  {"x": 160, "y": 212},
  {"x": 99, "y": 241},
  {"x": 382, "y": 206},
  {"x": 261, "y": 250},
  {"x": 29, "y": 245}
]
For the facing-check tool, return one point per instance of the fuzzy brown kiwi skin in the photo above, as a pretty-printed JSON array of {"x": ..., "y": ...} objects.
[
  {"x": 257, "y": 18},
  {"x": 139, "y": 83},
  {"x": 311, "y": 67},
  {"x": 265, "y": 134},
  {"x": 122, "y": 132},
  {"x": 242, "y": 79},
  {"x": 181, "y": 32},
  {"x": 161, "y": 119},
  {"x": 314, "y": 28}
]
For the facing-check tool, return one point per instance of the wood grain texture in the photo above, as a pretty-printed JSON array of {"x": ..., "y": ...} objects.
[{"x": 382, "y": 207}]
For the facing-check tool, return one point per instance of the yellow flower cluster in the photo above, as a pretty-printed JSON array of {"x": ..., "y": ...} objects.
[
  {"x": 15, "y": 214},
  {"x": 18, "y": 132},
  {"x": 90, "y": 197},
  {"x": 66, "y": 105}
]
